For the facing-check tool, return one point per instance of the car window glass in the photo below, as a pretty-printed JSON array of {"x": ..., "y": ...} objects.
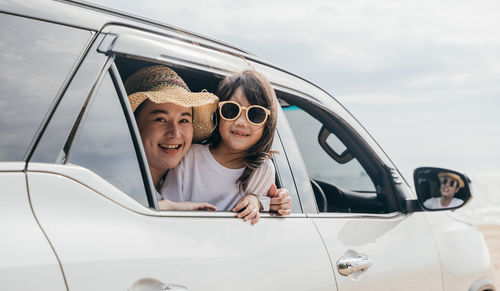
[
  {"x": 104, "y": 144},
  {"x": 35, "y": 59},
  {"x": 320, "y": 166}
]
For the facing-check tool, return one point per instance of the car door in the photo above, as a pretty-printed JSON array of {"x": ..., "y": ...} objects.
[
  {"x": 371, "y": 243},
  {"x": 90, "y": 191}
]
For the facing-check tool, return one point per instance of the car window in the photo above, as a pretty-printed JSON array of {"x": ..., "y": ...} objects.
[
  {"x": 35, "y": 59},
  {"x": 199, "y": 80},
  {"x": 320, "y": 166},
  {"x": 104, "y": 145}
]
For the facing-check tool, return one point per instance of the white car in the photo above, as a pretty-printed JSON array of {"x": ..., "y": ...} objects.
[{"x": 77, "y": 210}]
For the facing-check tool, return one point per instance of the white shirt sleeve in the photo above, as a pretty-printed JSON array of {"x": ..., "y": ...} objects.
[{"x": 260, "y": 182}]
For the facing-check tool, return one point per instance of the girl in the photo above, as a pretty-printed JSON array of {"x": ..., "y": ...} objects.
[{"x": 233, "y": 171}]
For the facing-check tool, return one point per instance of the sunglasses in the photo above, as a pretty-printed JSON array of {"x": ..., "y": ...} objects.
[
  {"x": 255, "y": 114},
  {"x": 451, "y": 182}
]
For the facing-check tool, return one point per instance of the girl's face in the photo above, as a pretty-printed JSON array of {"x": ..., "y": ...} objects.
[{"x": 239, "y": 135}]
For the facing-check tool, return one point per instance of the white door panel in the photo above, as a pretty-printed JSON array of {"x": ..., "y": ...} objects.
[
  {"x": 104, "y": 246},
  {"x": 27, "y": 261},
  {"x": 401, "y": 248},
  {"x": 462, "y": 249}
]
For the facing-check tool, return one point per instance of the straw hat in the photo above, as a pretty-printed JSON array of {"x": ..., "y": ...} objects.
[
  {"x": 453, "y": 176},
  {"x": 160, "y": 84}
]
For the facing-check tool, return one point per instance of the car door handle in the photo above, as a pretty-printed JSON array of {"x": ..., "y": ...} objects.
[
  {"x": 353, "y": 263},
  {"x": 150, "y": 284}
]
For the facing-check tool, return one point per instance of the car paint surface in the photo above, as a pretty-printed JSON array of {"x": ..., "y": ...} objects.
[
  {"x": 27, "y": 261},
  {"x": 116, "y": 246}
]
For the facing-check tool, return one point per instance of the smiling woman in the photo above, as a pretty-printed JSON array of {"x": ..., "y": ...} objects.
[{"x": 169, "y": 116}]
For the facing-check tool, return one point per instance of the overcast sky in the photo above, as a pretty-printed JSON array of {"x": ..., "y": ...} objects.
[{"x": 422, "y": 76}]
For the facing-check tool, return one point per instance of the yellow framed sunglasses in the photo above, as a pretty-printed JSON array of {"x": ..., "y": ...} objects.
[{"x": 255, "y": 114}]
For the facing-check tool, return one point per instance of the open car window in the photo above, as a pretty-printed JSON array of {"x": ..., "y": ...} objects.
[
  {"x": 198, "y": 80},
  {"x": 340, "y": 180},
  {"x": 349, "y": 175}
]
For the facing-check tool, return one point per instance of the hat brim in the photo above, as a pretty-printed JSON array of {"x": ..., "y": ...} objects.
[
  {"x": 203, "y": 103},
  {"x": 453, "y": 176}
]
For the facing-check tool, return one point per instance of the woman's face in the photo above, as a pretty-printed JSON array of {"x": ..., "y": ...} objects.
[
  {"x": 449, "y": 187},
  {"x": 166, "y": 133},
  {"x": 239, "y": 135}
]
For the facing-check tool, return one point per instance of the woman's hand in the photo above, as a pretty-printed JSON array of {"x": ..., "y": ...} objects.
[
  {"x": 251, "y": 206},
  {"x": 186, "y": 205}
]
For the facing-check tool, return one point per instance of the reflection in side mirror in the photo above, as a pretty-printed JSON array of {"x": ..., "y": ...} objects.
[{"x": 441, "y": 189}]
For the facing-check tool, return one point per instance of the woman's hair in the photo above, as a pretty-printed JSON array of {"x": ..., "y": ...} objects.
[{"x": 258, "y": 91}]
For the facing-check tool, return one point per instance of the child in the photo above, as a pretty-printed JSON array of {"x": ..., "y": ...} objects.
[{"x": 233, "y": 171}]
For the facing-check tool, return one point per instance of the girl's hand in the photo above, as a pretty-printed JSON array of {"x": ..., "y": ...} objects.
[
  {"x": 251, "y": 205},
  {"x": 186, "y": 205},
  {"x": 280, "y": 202}
]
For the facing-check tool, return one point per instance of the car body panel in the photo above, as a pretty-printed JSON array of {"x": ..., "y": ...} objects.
[
  {"x": 12, "y": 166},
  {"x": 390, "y": 241},
  {"x": 462, "y": 250},
  {"x": 27, "y": 261},
  {"x": 102, "y": 241}
]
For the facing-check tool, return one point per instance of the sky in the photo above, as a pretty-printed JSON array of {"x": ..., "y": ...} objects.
[{"x": 422, "y": 76}]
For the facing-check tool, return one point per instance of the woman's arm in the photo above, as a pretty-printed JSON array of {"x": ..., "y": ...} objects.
[{"x": 186, "y": 205}]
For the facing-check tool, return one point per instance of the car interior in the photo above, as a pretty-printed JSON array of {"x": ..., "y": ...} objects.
[{"x": 342, "y": 182}]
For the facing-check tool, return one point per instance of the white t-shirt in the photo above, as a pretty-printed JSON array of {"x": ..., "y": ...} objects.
[
  {"x": 435, "y": 203},
  {"x": 200, "y": 178}
]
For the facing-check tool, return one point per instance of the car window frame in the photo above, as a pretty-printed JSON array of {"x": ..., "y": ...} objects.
[
  {"x": 136, "y": 138},
  {"x": 373, "y": 166},
  {"x": 110, "y": 68},
  {"x": 284, "y": 175},
  {"x": 122, "y": 41},
  {"x": 83, "y": 79}
]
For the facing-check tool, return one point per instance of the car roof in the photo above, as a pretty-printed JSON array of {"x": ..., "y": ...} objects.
[{"x": 94, "y": 17}]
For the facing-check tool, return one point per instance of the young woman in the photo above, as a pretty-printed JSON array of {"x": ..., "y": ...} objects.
[{"x": 233, "y": 171}]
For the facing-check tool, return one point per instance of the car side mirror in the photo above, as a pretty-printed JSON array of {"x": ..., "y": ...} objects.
[{"x": 441, "y": 189}]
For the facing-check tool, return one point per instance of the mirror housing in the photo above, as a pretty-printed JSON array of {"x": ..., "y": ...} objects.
[{"x": 441, "y": 189}]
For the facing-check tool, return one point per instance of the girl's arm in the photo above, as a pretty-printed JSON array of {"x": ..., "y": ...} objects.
[
  {"x": 250, "y": 205},
  {"x": 256, "y": 199},
  {"x": 260, "y": 183}
]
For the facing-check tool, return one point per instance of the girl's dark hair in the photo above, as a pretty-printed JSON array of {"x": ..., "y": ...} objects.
[{"x": 258, "y": 91}]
